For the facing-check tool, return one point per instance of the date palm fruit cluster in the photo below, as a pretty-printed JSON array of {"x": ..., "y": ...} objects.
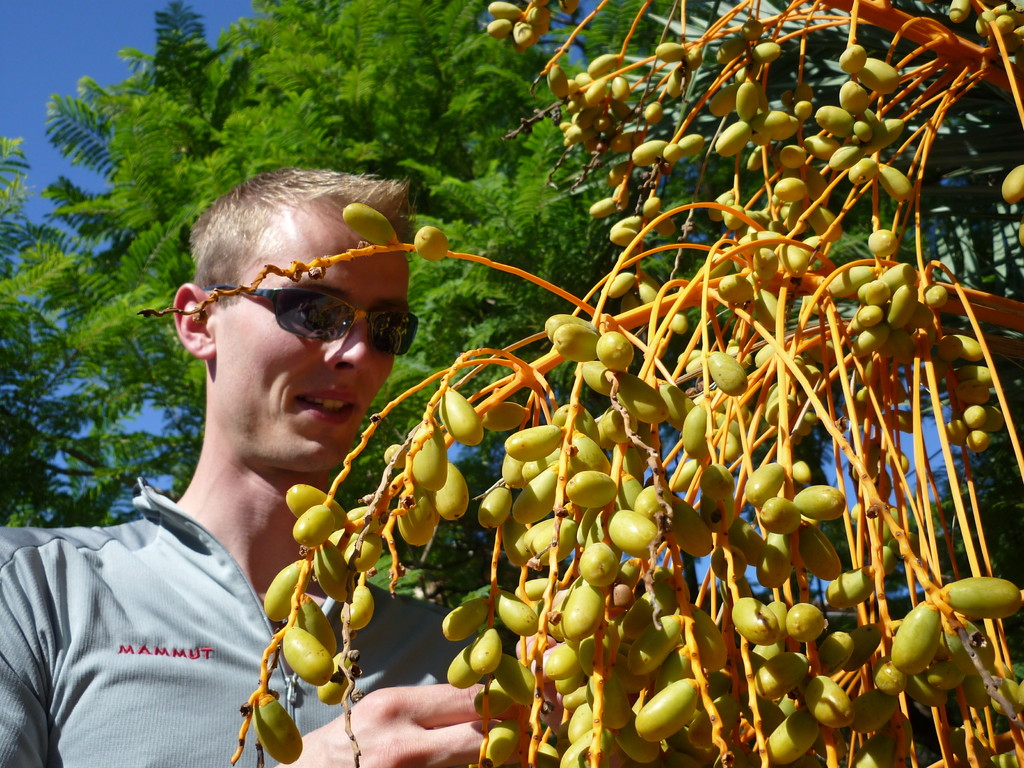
[
  {"x": 606, "y": 514},
  {"x": 691, "y": 592},
  {"x": 524, "y": 26}
]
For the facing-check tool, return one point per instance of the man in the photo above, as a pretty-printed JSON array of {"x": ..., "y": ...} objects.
[{"x": 136, "y": 644}]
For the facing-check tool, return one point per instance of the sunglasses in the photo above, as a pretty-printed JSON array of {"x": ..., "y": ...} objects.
[{"x": 319, "y": 316}]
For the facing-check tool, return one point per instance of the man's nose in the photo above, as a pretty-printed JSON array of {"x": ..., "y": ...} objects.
[{"x": 351, "y": 346}]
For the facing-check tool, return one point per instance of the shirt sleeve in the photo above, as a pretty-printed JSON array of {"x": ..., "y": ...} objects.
[{"x": 24, "y": 665}]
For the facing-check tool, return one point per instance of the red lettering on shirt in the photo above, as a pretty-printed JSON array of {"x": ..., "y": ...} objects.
[{"x": 204, "y": 652}]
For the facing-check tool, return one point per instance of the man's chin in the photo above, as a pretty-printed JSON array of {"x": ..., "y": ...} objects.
[{"x": 317, "y": 461}]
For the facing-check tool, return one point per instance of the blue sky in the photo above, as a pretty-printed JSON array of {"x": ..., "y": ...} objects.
[{"x": 47, "y": 45}]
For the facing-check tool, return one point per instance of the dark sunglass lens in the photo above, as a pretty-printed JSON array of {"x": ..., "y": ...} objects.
[
  {"x": 313, "y": 315},
  {"x": 393, "y": 332}
]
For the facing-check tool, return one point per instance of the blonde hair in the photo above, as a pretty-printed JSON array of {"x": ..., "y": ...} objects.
[{"x": 239, "y": 224}]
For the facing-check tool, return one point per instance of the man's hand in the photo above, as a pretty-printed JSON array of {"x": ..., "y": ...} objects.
[{"x": 428, "y": 726}]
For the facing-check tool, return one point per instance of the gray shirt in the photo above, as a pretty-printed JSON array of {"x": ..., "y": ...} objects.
[{"x": 136, "y": 645}]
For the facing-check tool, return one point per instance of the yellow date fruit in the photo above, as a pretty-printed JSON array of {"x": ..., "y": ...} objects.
[
  {"x": 502, "y": 741},
  {"x": 534, "y": 443},
  {"x": 500, "y": 29},
  {"x": 1013, "y": 185},
  {"x": 452, "y": 500},
  {"x": 983, "y": 597},
  {"x": 805, "y": 622},
  {"x": 361, "y": 610},
  {"x": 536, "y": 500},
  {"x": 895, "y": 183},
  {"x": 641, "y": 399},
  {"x": 667, "y": 711},
  {"x": 821, "y": 502},
  {"x": 503, "y": 10},
  {"x": 879, "y": 76},
  {"x": 369, "y": 224},
  {"x": 464, "y": 620},
  {"x": 716, "y": 482},
  {"x": 853, "y": 59},
  {"x": 865, "y": 640},
  {"x": 776, "y": 565},
  {"x": 779, "y": 515},
  {"x": 887, "y": 678},
  {"x": 278, "y": 600},
  {"x": 516, "y": 615},
  {"x": 307, "y": 656},
  {"x": 485, "y": 652},
  {"x": 872, "y": 710},
  {"x": 312, "y": 619},
  {"x": 503, "y": 416},
  {"x": 617, "y": 711},
  {"x": 431, "y": 243},
  {"x": 727, "y": 373},
  {"x": 332, "y": 571},
  {"x": 649, "y": 152},
  {"x": 634, "y": 747},
  {"x": 515, "y": 679},
  {"x": 709, "y": 640},
  {"x": 429, "y": 465},
  {"x": 828, "y": 703},
  {"x": 276, "y": 731},
  {"x": 314, "y": 526},
  {"x": 836, "y": 121},
  {"x": 632, "y": 532},
  {"x": 460, "y": 418},
  {"x": 301, "y": 497},
  {"x": 582, "y": 612},
  {"x": 370, "y": 546},
  {"x": 615, "y": 351},
  {"x": 495, "y": 507},
  {"x": 334, "y": 692},
  {"x": 576, "y": 342},
  {"x": 599, "y": 564},
  {"x": 460, "y": 673},
  {"x": 591, "y": 488},
  {"x": 793, "y": 737},
  {"x": 732, "y": 140},
  {"x": 834, "y": 651},
  {"x": 764, "y": 483},
  {"x": 562, "y": 663},
  {"x": 694, "y": 435},
  {"x": 818, "y": 554},
  {"x": 755, "y": 622},
  {"x": 780, "y": 674},
  {"x": 879, "y": 751},
  {"x": 917, "y": 639},
  {"x": 655, "y": 643},
  {"x": 980, "y": 643},
  {"x": 417, "y": 525},
  {"x": 850, "y": 588}
]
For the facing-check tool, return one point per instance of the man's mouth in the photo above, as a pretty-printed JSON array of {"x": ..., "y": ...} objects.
[{"x": 326, "y": 404}]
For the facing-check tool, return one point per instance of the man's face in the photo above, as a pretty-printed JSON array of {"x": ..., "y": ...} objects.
[{"x": 283, "y": 403}]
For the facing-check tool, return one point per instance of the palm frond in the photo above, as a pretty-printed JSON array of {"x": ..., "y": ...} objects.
[{"x": 79, "y": 132}]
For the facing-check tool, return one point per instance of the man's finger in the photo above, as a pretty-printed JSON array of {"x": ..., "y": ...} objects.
[
  {"x": 427, "y": 706},
  {"x": 451, "y": 745}
]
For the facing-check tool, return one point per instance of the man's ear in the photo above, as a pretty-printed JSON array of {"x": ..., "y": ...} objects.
[{"x": 192, "y": 328}]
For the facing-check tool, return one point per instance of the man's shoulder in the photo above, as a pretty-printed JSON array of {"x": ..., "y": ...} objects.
[{"x": 33, "y": 541}]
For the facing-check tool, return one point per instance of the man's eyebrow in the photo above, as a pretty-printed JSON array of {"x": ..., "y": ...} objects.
[{"x": 400, "y": 305}]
